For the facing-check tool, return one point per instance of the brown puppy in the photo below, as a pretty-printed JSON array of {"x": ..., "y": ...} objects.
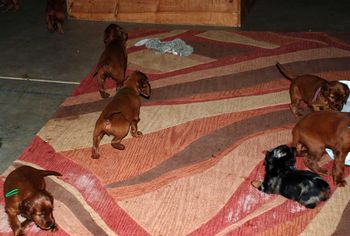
[
  {"x": 318, "y": 130},
  {"x": 25, "y": 195},
  {"x": 113, "y": 31},
  {"x": 114, "y": 58},
  {"x": 11, "y": 5},
  {"x": 317, "y": 93},
  {"x": 122, "y": 113},
  {"x": 55, "y": 14}
]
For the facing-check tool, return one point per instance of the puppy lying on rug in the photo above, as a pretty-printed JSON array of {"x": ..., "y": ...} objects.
[
  {"x": 282, "y": 178},
  {"x": 319, "y": 130},
  {"x": 114, "y": 58},
  {"x": 55, "y": 14},
  {"x": 317, "y": 93},
  {"x": 122, "y": 113},
  {"x": 25, "y": 195}
]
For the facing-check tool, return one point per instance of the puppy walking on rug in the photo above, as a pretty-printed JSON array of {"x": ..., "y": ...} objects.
[
  {"x": 317, "y": 93},
  {"x": 318, "y": 131},
  {"x": 25, "y": 195},
  {"x": 122, "y": 113},
  {"x": 283, "y": 178}
]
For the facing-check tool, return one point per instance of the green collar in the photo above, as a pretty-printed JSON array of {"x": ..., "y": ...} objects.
[{"x": 12, "y": 192}]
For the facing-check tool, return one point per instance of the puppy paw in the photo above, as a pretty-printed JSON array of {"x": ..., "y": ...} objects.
[
  {"x": 95, "y": 156},
  {"x": 19, "y": 232},
  {"x": 137, "y": 134},
  {"x": 323, "y": 171},
  {"x": 54, "y": 229},
  {"x": 118, "y": 146},
  {"x": 104, "y": 94},
  {"x": 256, "y": 183},
  {"x": 340, "y": 183}
]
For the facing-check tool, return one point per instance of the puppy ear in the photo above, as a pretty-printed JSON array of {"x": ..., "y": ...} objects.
[
  {"x": 346, "y": 92},
  {"x": 143, "y": 85},
  {"x": 146, "y": 89},
  {"x": 25, "y": 207},
  {"x": 290, "y": 162},
  {"x": 124, "y": 35},
  {"x": 326, "y": 90},
  {"x": 268, "y": 158}
]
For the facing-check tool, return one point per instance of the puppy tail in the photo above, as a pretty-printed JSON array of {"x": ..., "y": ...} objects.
[
  {"x": 108, "y": 116},
  {"x": 94, "y": 74},
  {"x": 49, "y": 172},
  {"x": 285, "y": 72}
]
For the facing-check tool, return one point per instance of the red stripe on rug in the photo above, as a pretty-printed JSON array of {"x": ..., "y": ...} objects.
[
  {"x": 251, "y": 55},
  {"x": 261, "y": 89}
]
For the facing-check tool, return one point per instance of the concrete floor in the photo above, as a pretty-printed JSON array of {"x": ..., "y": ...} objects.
[
  {"x": 28, "y": 49},
  {"x": 299, "y": 15}
]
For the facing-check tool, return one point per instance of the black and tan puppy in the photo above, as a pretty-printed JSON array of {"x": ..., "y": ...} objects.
[
  {"x": 25, "y": 195},
  {"x": 282, "y": 178},
  {"x": 122, "y": 113},
  {"x": 114, "y": 58},
  {"x": 317, "y": 93},
  {"x": 55, "y": 14}
]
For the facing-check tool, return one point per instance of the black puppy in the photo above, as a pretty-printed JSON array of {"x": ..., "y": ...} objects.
[{"x": 282, "y": 178}]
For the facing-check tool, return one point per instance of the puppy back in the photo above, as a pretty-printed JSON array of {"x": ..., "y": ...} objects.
[
  {"x": 49, "y": 172},
  {"x": 285, "y": 72}
]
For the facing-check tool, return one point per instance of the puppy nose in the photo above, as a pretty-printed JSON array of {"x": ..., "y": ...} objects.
[{"x": 53, "y": 225}]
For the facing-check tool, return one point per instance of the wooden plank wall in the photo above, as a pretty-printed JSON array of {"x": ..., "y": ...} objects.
[{"x": 184, "y": 12}]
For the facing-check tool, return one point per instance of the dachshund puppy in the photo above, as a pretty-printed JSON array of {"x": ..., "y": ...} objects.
[
  {"x": 282, "y": 178},
  {"x": 10, "y": 5},
  {"x": 25, "y": 194},
  {"x": 317, "y": 93},
  {"x": 318, "y": 130},
  {"x": 113, "y": 31},
  {"x": 122, "y": 113},
  {"x": 114, "y": 58},
  {"x": 55, "y": 14}
]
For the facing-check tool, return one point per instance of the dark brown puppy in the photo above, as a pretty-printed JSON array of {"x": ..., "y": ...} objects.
[
  {"x": 318, "y": 130},
  {"x": 113, "y": 31},
  {"x": 25, "y": 195},
  {"x": 55, "y": 14},
  {"x": 11, "y": 5},
  {"x": 114, "y": 58},
  {"x": 317, "y": 93},
  {"x": 122, "y": 113}
]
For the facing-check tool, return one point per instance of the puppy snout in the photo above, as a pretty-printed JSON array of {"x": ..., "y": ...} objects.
[
  {"x": 50, "y": 225},
  {"x": 339, "y": 106}
]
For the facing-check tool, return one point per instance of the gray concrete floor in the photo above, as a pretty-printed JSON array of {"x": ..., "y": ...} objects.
[
  {"x": 299, "y": 15},
  {"x": 28, "y": 49}
]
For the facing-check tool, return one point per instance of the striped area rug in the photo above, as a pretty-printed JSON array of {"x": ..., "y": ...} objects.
[{"x": 209, "y": 120}]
